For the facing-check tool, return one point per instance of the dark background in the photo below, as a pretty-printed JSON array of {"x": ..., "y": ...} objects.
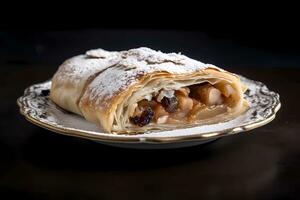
[
  {"x": 262, "y": 164},
  {"x": 51, "y": 47}
]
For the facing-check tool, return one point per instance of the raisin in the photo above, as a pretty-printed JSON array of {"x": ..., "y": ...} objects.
[
  {"x": 145, "y": 118},
  {"x": 170, "y": 104},
  {"x": 135, "y": 120}
]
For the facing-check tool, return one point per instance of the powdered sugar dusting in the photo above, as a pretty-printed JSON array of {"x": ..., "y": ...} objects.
[
  {"x": 133, "y": 64},
  {"x": 80, "y": 68},
  {"x": 100, "y": 53}
]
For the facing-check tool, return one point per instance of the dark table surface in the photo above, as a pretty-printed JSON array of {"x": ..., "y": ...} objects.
[{"x": 263, "y": 163}]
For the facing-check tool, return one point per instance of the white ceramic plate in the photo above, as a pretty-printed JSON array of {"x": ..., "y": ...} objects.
[{"x": 36, "y": 106}]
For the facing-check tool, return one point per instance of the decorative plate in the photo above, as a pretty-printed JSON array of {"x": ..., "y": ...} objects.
[{"x": 37, "y": 108}]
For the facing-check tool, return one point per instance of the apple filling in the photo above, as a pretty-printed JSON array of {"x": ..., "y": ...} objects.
[{"x": 187, "y": 104}]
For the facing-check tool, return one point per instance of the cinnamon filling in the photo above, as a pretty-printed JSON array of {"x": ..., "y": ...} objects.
[{"x": 186, "y": 104}]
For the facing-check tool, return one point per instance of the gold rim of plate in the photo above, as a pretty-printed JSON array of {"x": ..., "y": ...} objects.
[{"x": 111, "y": 137}]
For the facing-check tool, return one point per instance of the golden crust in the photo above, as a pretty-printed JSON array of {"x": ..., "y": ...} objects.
[
  {"x": 106, "y": 95},
  {"x": 105, "y": 111}
]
